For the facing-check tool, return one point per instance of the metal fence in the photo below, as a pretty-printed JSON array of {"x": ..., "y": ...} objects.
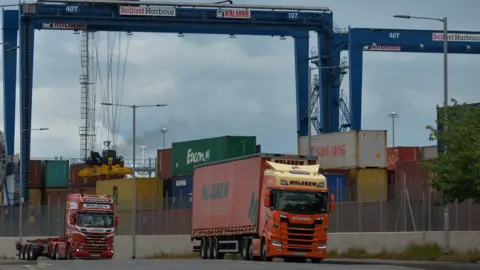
[{"x": 403, "y": 208}]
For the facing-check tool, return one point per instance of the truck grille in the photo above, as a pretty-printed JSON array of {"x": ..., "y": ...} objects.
[
  {"x": 95, "y": 242},
  {"x": 300, "y": 237}
]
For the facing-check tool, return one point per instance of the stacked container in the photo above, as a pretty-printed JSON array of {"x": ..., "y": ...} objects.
[
  {"x": 184, "y": 156},
  {"x": 359, "y": 155},
  {"x": 401, "y": 153}
]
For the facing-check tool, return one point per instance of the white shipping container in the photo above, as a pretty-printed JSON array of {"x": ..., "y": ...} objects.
[
  {"x": 351, "y": 149},
  {"x": 428, "y": 152}
]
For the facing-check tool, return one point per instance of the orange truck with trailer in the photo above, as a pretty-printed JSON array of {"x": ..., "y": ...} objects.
[
  {"x": 261, "y": 209},
  {"x": 89, "y": 232}
]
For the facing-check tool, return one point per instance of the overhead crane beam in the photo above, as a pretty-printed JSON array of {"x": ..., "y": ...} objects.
[{"x": 179, "y": 17}]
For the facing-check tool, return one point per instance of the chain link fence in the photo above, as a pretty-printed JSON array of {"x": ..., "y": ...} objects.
[{"x": 405, "y": 206}]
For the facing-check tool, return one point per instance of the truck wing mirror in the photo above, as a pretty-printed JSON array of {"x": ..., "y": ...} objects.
[
  {"x": 266, "y": 198},
  {"x": 331, "y": 206},
  {"x": 72, "y": 219},
  {"x": 116, "y": 220}
]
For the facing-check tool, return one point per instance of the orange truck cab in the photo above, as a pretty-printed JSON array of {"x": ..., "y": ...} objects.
[
  {"x": 295, "y": 210},
  {"x": 90, "y": 224}
]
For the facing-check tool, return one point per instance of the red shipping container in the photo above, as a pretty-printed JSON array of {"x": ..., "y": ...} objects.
[
  {"x": 410, "y": 175},
  {"x": 400, "y": 153},
  {"x": 34, "y": 173},
  {"x": 164, "y": 163},
  {"x": 86, "y": 182},
  {"x": 236, "y": 187}
]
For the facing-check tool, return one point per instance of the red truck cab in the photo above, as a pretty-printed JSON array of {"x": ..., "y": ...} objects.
[{"x": 90, "y": 225}]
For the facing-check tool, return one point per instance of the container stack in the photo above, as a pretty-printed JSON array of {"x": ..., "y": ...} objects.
[
  {"x": 355, "y": 161},
  {"x": 176, "y": 164}
]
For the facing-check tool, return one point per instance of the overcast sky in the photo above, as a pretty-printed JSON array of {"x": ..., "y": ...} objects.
[{"x": 216, "y": 86}]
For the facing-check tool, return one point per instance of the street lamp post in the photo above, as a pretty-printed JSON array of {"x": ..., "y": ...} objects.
[
  {"x": 164, "y": 132},
  {"x": 444, "y": 21},
  {"x": 20, "y": 209},
  {"x": 393, "y": 115},
  {"x": 134, "y": 180}
]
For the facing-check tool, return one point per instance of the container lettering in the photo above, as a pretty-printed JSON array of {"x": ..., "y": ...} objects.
[
  {"x": 215, "y": 191},
  {"x": 327, "y": 151},
  {"x": 197, "y": 157}
]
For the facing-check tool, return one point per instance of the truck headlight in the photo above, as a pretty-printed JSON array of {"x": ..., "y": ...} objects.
[
  {"x": 276, "y": 243},
  {"x": 283, "y": 216},
  {"x": 319, "y": 218},
  {"x": 322, "y": 245}
]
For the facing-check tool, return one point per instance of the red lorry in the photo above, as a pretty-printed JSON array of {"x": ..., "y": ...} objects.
[
  {"x": 89, "y": 231},
  {"x": 262, "y": 206}
]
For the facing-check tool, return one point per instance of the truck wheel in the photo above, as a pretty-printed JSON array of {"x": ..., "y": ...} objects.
[
  {"x": 33, "y": 253},
  {"x": 68, "y": 253},
  {"x": 264, "y": 252},
  {"x": 28, "y": 253},
  {"x": 209, "y": 248},
  {"x": 316, "y": 260},
  {"x": 245, "y": 249},
  {"x": 250, "y": 250},
  {"x": 203, "y": 249},
  {"x": 57, "y": 256},
  {"x": 215, "y": 246},
  {"x": 20, "y": 253}
]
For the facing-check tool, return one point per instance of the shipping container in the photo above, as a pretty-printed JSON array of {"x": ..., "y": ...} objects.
[
  {"x": 337, "y": 185},
  {"x": 34, "y": 173},
  {"x": 188, "y": 154},
  {"x": 258, "y": 148},
  {"x": 410, "y": 175},
  {"x": 181, "y": 196},
  {"x": 164, "y": 163},
  {"x": 401, "y": 153},
  {"x": 428, "y": 152},
  {"x": 55, "y": 196},
  {"x": 35, "y": 196},
  {"x": 352, "y": 149},
  {"x": 149, "y": 192},
  {"x": 77, "y": 182},
  {"x": 372, "y": 185},
  {"x": 55, "y": 173}
]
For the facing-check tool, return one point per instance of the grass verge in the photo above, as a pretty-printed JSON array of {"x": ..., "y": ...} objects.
[{"x": 427, "y": 252}]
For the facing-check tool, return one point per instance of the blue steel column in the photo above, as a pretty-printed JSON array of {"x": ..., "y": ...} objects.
[
  {"x": 25, "y": 80},
  {"x": 329, "y": 69},
  {"x": 355, "y": 58},
  {"x": 10, "y": 43},
  {"x": 301, "y": 81}
]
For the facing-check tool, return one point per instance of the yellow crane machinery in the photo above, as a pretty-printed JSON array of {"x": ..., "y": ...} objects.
[{"x": 107, "y": 163}]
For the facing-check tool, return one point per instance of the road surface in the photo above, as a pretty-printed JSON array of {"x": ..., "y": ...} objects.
[{"x": 186, "y": 265}]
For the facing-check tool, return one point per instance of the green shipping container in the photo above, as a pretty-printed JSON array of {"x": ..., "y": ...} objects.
[
  {"x": 55, "y": 173},
  {"x": 188, "y": 154}
]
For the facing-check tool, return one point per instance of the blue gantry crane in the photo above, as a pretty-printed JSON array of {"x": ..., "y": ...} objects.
[
  {"x": 358, "y": 40},
  {"x": 151, "y": 16}
]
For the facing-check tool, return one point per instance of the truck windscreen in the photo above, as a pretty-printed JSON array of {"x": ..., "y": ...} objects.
[
  {"x": 301, "y": 202},
  {"x": 95, "y": 219}
]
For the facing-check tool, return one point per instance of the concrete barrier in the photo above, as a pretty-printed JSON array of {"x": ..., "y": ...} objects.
[{"x": 148, "y": 245}]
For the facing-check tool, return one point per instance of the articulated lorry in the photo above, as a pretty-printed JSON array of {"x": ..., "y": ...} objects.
[
  {"x": 89, "y": 232},
  {"x": 262, "y": 206}
]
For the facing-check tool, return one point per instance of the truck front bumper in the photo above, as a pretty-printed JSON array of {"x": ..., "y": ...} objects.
[
  {"x": 285, "y": 251},
  {"x": 86, "y": 254}
]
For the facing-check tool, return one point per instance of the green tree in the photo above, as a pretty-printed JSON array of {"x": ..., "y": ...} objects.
[{"x": 456, "y": 172}]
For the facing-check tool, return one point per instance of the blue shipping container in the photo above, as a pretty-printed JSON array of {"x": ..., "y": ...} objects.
[
  {"x": 182, "y": 190},
  {"x": 337, "y": 185}
]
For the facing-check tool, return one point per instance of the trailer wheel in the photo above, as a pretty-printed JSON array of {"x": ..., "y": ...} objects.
[
  {"x": 203, "y": 248},
  {"x": 244, "y": 247},
  {"x": 20, "y": 251},
  {"x": 57, "y": 256},
  {"x": 28, "y": 255},
  {"x": 215, "y": 253},
  {"x": 209, "y": 248},
  {"x": 33, "y": 253},
  {"x": 21, "y": 254}
]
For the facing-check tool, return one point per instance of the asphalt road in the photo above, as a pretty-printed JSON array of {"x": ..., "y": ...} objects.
[{"x": 186, "y": 265}]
